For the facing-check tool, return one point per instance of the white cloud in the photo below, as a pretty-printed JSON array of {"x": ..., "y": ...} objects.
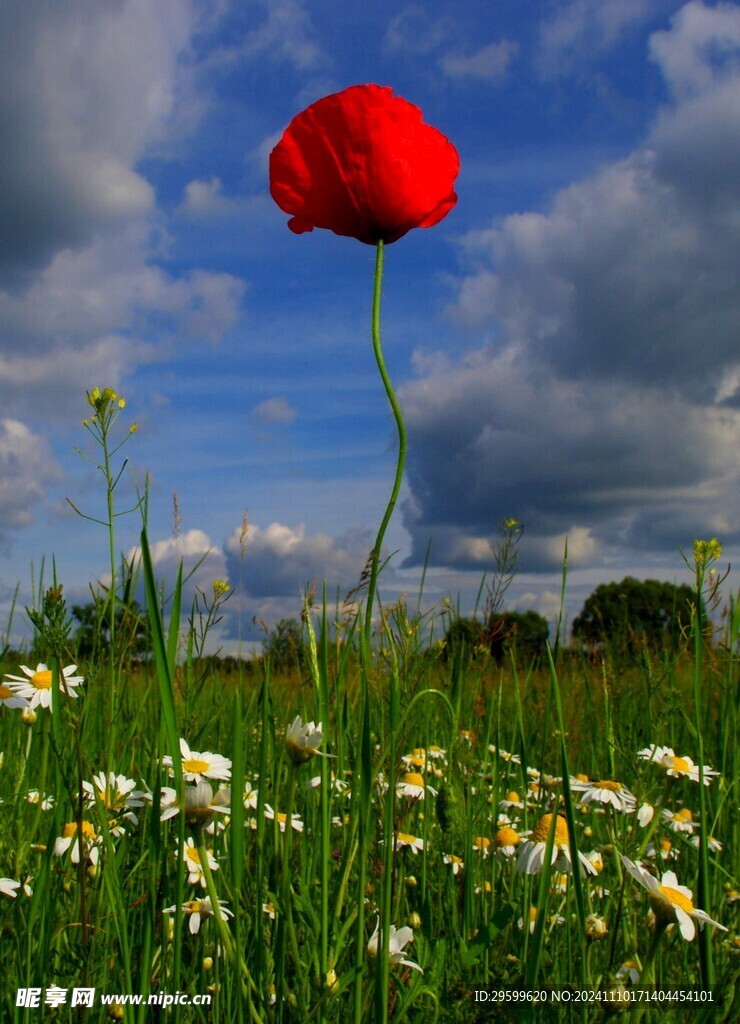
[
  {"x": 580, "y": 30},
  {"x": 88, "y": 89},
  {"x": 285, "y": 33},
  {"x": 489, "y": 64},
  {"x": 280, "y": 560},
  {"x": 605, "y": 409},
  {"x": 26, "y": 469},
  {"x": 701, "y": 47},
  {"x": 276, "y": 411},
  {"x": 413, "y": 31},
  {"x": 205, "y": 198}
]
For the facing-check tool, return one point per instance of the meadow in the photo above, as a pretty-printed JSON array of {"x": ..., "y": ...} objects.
[{"x": 381, "y": 827}]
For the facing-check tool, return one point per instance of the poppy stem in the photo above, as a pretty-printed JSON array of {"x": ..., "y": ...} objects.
[{"x": 401, "y": 458}]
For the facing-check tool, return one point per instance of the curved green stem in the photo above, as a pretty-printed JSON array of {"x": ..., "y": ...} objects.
[{"x": 401, "y": 459}]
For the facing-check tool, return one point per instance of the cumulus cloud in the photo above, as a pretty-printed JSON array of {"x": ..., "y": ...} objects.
[
  {"x": 89, "y": 92},
  {"x": 579, "y": 30},
  {"x": 700, "y": 50},
  {"x": 26, "y": 469},
  {"x": 87, "y": 89},
  {"x": 606, "y": 409},
  {"x": 489, "y": 64},
  {"x": 279, "y": 560}
]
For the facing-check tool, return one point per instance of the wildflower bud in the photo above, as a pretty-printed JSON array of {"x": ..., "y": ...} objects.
[
  {"x": 169, "y": 928},
  {"x": 412, "y": 883},
  {"x": 207, "y": 963},
  {"x": 414, "y": 921},
  {"x": 331, "y": 981},
  {"x": 595, "y": 927},
  {"x": 116, "y": 1012},
  {"x": 302, "y": 740}
]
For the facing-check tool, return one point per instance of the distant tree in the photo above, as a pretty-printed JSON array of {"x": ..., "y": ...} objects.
[
  {"x": 91, "y": 638},
  {"x": 462, "y": 638},
  {"x": 283, "y": 644},
  {"x": 633, "y": 615},
  {"x": 526, "y": 633}
]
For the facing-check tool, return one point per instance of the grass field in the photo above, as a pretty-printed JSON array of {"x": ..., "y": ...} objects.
[{"x": 436, "y": 813}]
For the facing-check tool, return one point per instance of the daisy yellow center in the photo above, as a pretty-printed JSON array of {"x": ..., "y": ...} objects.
[
  {"x": 414, "y": 779},
  {"x": 614, "y": 787},
  {"x": 665, "y": 845},
  {"x": 70, "y": 831},
  {"x": 678, "y": 764},
  {"x": 406, "y": 839},
  {"x": 42, "y": 680},
  {"x": 282, "y": 818},
  {"x": 683, "y": 815},
  {"x": 677, "y": 898},
  {"x": 513, "y": 797},
  {"x": 582, "y": 778},
  {"x": 533, "y": 913},
  {"x": 196, "y": 765},
  {"x": 416, "y": 760},
  {"x": 542, "y": 830},
  {"x": 193, "y": 855},
  {"x": 506, "y": 836},
  {"x": 482, "y": 842},
  {"x": 5, "y": 692}
]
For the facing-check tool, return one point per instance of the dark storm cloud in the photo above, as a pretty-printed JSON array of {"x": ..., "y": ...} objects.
[{"x": 605, "y": 409}]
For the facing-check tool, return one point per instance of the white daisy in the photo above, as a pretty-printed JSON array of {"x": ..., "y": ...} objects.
[
  {"x": 46, "y": 802},
  {"x": 36, "y": 686},
  {"x": 117, "y": 794},
  {"x": 506, "y": 841},
  {"x": 680, "y": 821},
  {"x": 671, "y": 900},
  {"x": 199, "y": 910},
  {"x": 303, "y": 740},
  {"x": 197, "y": 766},
  {"x": 413, "y": 787},
  {"x": 199, "y": 803},
  {"x": 531, "y": 855},
  {"x": 645, "y": 814},
  {"x": 194, "y": 865},
  {"x": 714, "y": 844},
  {"x": 10, "y": 698},
  {"x": 404, "y": 840},
  {"x": 630, "y": 971},
  {"x": 677, "y": 767},
  {"x": 397, "y": 939},
  {"x": 454, "y": 861},
  {"x": 70, "y": 840},
  {"x": 607, "y": 792},
  {"x": 511, "y": 758},
  {"x": 8, "y": 887},
  {"x": 512, "y": 801},
  {"x": 295, "y": 819}
]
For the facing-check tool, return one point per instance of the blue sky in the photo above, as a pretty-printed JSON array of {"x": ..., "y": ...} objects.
[{"x": 564, "y": 343}]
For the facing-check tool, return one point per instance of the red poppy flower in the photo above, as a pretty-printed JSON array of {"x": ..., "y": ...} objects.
[{"x": 363, "y": 163}]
